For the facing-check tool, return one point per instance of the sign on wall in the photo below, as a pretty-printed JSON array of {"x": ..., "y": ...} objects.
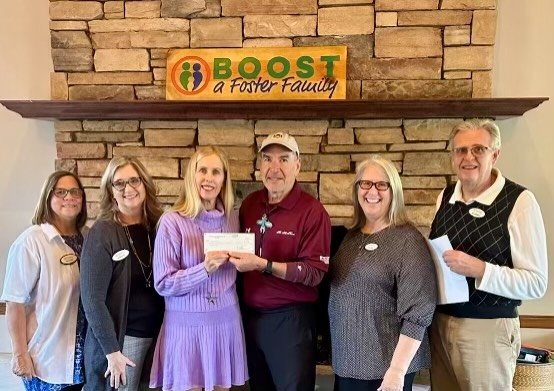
[{"x": 257, "y": 73}]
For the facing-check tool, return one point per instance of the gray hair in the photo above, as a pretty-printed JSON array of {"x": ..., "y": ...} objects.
[
  {"x": 397, "y": 212},
  {"x": 475, "y": 124}
]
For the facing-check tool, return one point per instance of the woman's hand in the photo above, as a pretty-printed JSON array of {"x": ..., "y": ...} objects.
[
  {"x": 22, "y": 365},
  {"x": 117, "y": 364},
  {"x": 214, "y": 259},
  {"x": 393, "y": 380}
]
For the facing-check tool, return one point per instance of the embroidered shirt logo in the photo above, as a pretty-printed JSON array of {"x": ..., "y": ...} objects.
[{"x": 286, "y": 233}]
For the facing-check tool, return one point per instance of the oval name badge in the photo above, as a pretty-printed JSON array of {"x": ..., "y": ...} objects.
[
  {"x": 476, "y": 212},
  {"x": 371, "y": 246},
  {"x": 120, "y": 255},
  {"x": 68, "y": 259}
]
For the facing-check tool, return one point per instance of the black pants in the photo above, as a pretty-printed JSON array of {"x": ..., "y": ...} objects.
[
  {"x": 349, "y": 384},
  {"x": 280, "y": 345}
]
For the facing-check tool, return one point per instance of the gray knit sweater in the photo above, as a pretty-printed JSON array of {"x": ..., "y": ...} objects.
[{"x": 378, "y": 294}]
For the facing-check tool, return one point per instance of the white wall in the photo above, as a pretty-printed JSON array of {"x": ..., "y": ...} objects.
[
  {"x": 524, "y": 63},
  {"x": 27, "y": 148},
  {"x": 523, "y": 67}
]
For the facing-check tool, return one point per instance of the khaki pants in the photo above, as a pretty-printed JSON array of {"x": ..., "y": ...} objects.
[{"x": 473, "y": 354}]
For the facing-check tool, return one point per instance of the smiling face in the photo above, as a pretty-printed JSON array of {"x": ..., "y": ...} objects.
[
  {"x": 474, "y": 172},
  {"x": 375, "y": 203},
  {"x": 130, "y": 199},
  {"x": 279, "y": 169},
  {"x": 66, "y": 209},
  {"x": 209, "y": 178}
]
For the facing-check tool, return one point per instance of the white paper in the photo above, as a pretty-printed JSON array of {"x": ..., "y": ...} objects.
[
  {"x": 452, "y": 286},
  {"x": 241, "y": 242}
]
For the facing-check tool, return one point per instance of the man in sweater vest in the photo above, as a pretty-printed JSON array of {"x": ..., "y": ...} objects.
[{"x": 499, "y": 245}]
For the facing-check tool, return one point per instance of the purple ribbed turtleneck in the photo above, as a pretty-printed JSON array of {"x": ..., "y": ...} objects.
[{"x": 179, "y": 273}]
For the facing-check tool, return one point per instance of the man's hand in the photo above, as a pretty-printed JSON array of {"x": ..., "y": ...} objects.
[
  {"x": 22, "y": 365},
  {"x": 117, "y": 364},
  {"x": 214, "y": 259},
  {"x": 246, "y": 262},
  {"x": 464, "y": 264}
]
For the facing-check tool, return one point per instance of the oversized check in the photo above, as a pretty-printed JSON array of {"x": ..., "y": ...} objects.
[{"x": 242, "y": 242}]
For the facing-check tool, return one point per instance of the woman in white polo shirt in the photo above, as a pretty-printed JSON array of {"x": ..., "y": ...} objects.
[{"x": 45, "y": 319}]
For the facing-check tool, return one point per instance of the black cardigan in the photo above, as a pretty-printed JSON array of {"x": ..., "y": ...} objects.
[{"x": 105, "y": 290}]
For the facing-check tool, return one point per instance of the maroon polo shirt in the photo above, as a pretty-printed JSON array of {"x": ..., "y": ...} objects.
[{"x": 300, "y": 235}]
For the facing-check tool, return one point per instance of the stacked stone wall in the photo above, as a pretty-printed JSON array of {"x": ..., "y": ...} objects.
[{"x": 397, "y": 49}]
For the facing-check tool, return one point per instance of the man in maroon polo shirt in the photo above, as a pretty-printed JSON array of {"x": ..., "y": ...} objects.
[{"x": 293, "y": 235}]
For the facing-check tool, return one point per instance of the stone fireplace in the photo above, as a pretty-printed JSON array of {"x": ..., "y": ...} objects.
[{"x": 397, "y": 49}]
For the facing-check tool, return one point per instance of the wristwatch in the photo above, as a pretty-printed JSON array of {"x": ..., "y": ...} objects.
[{"x": 268, "y": 269}]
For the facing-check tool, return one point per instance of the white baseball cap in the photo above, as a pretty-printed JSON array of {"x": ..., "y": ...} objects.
[{"x": 281, "y": 138}]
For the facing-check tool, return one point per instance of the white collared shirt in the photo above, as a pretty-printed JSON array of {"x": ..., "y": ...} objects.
[
  {"x": 50, "y": 291},
  {"x": 529, "y": 277}
]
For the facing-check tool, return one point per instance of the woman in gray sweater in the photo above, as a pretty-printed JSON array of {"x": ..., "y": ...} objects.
[
  {"x": 383, "y": 289},
  {"x": 123, "y": 310}
]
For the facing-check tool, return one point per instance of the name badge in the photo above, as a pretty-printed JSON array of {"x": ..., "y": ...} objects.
[
  {"x": 476, "y": 212},
  {"x": 68, "y": 259},
  {"x": 120, "y": 255},
  {"x": 371, "y": 246}
]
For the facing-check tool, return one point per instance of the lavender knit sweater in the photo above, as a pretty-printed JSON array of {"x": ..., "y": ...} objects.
[{"x": 179, "y": 273}]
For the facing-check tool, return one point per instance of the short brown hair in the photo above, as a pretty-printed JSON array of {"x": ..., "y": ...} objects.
[{"x": 43, "y": 210}]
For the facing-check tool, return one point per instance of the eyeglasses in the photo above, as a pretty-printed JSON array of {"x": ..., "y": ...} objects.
[
  {"x": 367, "y": 185},
  {"x": 133, "y": 181},
  {"x": 62, "y": 193},
  {"x": 476, "y": 150}
]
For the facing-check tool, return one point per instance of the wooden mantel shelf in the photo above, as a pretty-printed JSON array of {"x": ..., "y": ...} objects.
[{"x": 185, "y": 110}]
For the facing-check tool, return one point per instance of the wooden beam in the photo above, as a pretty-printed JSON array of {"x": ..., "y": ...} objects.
[{"x": 190, "y": 110}]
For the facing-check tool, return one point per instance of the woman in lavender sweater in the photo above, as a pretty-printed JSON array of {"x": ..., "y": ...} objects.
[{"x": 201, "y": 344}]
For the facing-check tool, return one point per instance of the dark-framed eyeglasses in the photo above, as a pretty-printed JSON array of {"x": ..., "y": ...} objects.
[
  {"x": 476, "y": 150},
  {"x": 69, "y": 259},
  {"x": 62, "y": 193},
  {"x": 133, "y": 181},
  {"x": 367, "y": 185}
]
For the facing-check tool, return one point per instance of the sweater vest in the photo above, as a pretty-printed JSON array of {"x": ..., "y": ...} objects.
[{"x": 484, "y": 236}]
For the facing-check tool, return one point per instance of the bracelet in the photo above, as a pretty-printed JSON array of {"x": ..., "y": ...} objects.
[{"x": 268, "y": 269}]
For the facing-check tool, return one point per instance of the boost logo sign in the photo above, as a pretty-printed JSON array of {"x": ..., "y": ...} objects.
[{"x": 257, "y": 73}]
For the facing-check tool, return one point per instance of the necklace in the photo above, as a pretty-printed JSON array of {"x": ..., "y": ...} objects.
[
  {"x": 211, "y": 295},
  {"x": 147, "y": 279}
]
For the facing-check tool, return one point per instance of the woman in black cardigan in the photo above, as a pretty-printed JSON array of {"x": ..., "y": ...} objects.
[{"x": 123, "y": 309}]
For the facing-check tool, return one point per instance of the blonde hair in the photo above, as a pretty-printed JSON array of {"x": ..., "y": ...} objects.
[
  {"x": 43, "y": 210},
  {"x": 476, "y": 124},
  {"x": 151, "y": 209},
  {"x": 189, "y": 203},
  {"x": 397, "y": 210}
]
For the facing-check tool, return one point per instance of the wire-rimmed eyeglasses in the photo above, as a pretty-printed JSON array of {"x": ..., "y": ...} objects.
[{"x": 476, "y": 150}]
